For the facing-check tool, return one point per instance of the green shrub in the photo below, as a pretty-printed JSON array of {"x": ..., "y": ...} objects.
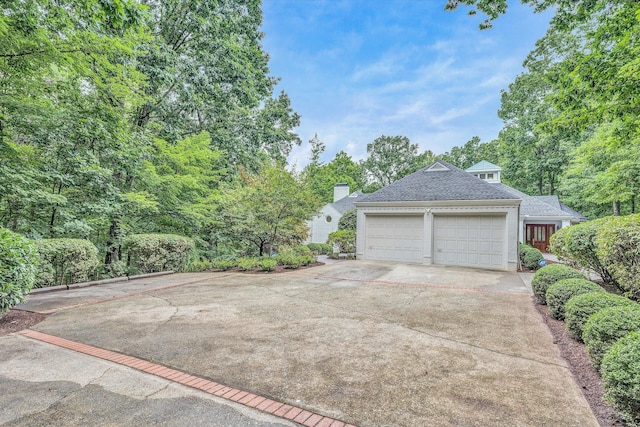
[
  {"x": 315, "y": 248},
  {"x": 149, "y": 253},
  {"x": 530, "y": 257},
  {"x": 549, "y": 275},
  {"x": 621, "y": 377},
  {"x": 267, "y": 264},
  {"x": 224, "y": 264},
  {"x": 247, "y": 263},
  {"x": 581, "y": 245},
  {"x": 580, "y": 307},
  {"x": 65, "y": 261},
  {"x": 560, "y": 292},
  {"x": 348, "y": 221},
  {"x": 618, "y": 242},
  {"x": 606, "y": 327},
  {"x": 199, "y": 265},
  {"x": 289, "y": 258},
  {"x": 320, "y": 248},
  {"x": 558, "y": 247},
  {"x": 18, "y": 258},
  {"x": 345, "y": 240},
  {"x": 303, "y": 251},
  {"x": 115, "y": 269}
]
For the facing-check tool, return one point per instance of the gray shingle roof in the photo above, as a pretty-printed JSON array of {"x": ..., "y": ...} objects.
[
  {"x": 577, "y": 215},
  {"x": 532, "y": 206},
  {"x": 446, "y": 183},
  {"x": 347, "y": 203}
]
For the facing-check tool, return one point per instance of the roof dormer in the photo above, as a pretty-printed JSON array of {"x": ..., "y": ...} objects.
[{"x": 486, "y": 171}]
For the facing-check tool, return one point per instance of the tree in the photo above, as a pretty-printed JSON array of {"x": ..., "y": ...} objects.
[
  {"x": 321, "y": 178},
  {"x": 266, "y": 210},
  {"x": 178, "y": 188},
  {"x": 471, "y": 153},
  {"x": 604, "y": 171},
  {"x": 207, "y": 71},
  {"x": 391, "y": 158},
  {"x": 566, "y": 10}
]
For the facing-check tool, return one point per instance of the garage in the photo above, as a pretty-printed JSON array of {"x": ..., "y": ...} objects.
[
  {"x": 395, "y": 238},
  {"x": 470, "y": 241},
  {"x": 440, "y": 215}
]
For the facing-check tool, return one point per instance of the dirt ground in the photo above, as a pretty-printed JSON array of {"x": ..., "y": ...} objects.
[
  {"x": 17, "y": 320},
  {"x": 585, "y": 374}
]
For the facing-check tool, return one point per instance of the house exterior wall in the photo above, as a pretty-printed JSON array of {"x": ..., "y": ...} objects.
[
  {"x": 558, "y": 222},
  {"x": 509, "y": 208},
  {"x": 320, "y": 228}
]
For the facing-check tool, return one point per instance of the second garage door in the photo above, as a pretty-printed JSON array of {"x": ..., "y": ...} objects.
[
  {"x": 394, "y": 238},
  {"x": 471, "y": 241}
]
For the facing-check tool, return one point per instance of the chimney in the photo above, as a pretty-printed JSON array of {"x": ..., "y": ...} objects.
[{"x": 340, "y": 191}]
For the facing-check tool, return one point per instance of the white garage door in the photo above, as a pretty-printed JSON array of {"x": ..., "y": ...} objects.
[
  {"x": 472, "y": 241},
  {"x": 394, "y": 238}
]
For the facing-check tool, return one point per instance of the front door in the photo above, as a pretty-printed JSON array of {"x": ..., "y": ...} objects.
[{"x": 537, "y": 235}]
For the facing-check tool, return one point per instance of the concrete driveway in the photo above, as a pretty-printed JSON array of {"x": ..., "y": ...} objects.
[{"x": 369, "y": 344}]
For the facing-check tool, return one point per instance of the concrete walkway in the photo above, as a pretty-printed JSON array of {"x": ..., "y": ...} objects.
[{"x": 349, "y": 343}]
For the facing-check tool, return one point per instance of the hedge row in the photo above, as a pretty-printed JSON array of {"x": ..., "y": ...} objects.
[
  {"x": 149, "y": 253},
  {"x": 17, "y": 269},
  {"x": 609, "y": 325},
  {"x": 608, "y": 246},
  {"x": 65, "y": 261},
  {"x": 560, "y": 292},
  {"x": 549, "y": 275}
]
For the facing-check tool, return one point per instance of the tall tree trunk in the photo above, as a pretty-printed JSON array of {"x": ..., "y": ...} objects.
[
  {"x": 51, "y": 222},
  {"x": 113, "y": 243},
  {"x": 616, "y": 208},
  {"x": 540, "y": 185}
]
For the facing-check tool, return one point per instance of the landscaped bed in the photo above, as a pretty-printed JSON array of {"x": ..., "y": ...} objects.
[{"x": 583, "y": 371}]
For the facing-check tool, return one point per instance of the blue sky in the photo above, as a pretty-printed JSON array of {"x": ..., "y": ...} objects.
[{"x": 358, "y": 69}]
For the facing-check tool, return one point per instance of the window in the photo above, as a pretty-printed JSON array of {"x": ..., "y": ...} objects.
[
  {"x": 489, "y": 176},
  {"x": 328, "y": 218},
  {"x": 482, "y": 176}
]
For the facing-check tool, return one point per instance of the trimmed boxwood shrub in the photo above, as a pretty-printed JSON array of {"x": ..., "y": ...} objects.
[
  {"x": 65, "y": 261},
  {"x": 606, "y": 327},
  {"x": 580, "y": 307},
  {"x": 18, "y": 258},
  {"x": 558, "y": 247},
  {"x": 148, "y": 253},
  {"x": 619, "y": 250},
  {"x": 581, "y": 245},
  {"x": 549, "y": 275},
  {"x": 621, "y": 377},
  {"x": 560, "y": 292},
  {"x": 531, "y": 257}
]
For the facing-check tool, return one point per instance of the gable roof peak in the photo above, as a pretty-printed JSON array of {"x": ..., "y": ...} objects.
[{"x": 438, "y": 166}]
